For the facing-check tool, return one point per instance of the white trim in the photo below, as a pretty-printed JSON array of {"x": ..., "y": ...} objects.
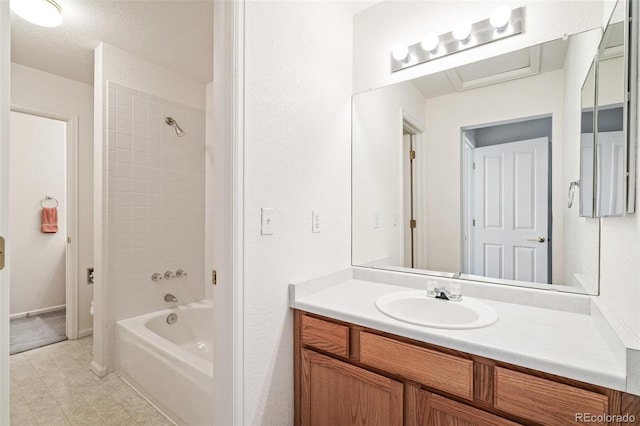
[
  {"x": 85, "y": 332},
  {"x": 5, "y": 83},
  {"x": 72, "y": 215},
  {"x": 97, "y": 369},
  {"x": 37, "y": 311},
  {"x": 228, "y": 224}
]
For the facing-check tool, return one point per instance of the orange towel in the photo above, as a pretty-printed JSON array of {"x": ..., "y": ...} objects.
[{"x": 49, "y": 220}]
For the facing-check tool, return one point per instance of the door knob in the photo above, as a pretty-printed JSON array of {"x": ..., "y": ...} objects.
[
  {"x": 1, "y": 253},
  {"x": 539, "y": 239}
]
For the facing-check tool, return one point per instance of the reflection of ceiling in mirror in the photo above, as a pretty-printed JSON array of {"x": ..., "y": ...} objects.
[{"x": 518, "y": 64}]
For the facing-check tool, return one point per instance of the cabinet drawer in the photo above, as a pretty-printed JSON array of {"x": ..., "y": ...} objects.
[
  {"x": 447, "y": 373},
  {"x": 544, "y": 401},
  {"x": 326, "y": 336}
]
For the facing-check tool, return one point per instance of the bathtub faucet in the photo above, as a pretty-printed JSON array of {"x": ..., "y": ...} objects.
[{"x": 170, "y": 298}]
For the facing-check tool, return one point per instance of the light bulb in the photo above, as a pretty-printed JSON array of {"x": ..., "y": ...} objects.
[
  {"x": 46, "y": 13},
  {"x": 500, "y": 17},
  {"x": 462, "y": 30},
  {"x": 430, "y": 42},
  {"x": 400, "y": 52}
]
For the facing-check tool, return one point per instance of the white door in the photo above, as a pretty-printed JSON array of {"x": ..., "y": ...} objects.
[
  {"x": 611, "y": 173},
  {"x": 510, "y": 238}
]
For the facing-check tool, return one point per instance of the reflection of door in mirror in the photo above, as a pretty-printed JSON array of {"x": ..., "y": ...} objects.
[
  {"x": 507, "y": 194},
  {"x": 587, "y": 142},
  {"x": 609, "y": 139}
]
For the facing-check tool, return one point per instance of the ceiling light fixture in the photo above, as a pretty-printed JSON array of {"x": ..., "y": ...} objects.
[
  {"x": 500, "y": 18},
  {"x": 46, "y": 13},
  {"x": 502, "y": 23}
]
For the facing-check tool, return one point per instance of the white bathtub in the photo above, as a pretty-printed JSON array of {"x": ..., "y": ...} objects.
[{"x": 171, "y": 364}]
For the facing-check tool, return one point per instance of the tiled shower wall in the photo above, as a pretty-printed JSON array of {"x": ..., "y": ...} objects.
[{"x": 155, "y": 204}]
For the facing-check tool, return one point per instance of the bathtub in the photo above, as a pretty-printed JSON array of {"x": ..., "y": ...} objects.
[{"x": 171, "y": 364}]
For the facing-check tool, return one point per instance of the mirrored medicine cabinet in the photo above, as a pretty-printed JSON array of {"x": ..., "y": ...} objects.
[{"x": 502, "y": 178}]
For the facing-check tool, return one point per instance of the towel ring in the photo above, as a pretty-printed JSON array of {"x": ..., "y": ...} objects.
[
  {"x": 572, "y": 192},
  {"x": 48, "y": 198}
]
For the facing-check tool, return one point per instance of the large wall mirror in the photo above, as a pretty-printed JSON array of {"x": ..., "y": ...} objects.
[{"x": 465, "y": 172}]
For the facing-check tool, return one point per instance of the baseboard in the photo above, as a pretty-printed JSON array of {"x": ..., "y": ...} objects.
[
  {"x": 97, "y": 369},
  {"x": 84, "y": 333},
  {"x": 37, "y": 311}
]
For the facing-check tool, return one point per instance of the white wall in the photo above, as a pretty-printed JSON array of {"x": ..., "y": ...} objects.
[
  {"x": 210, "y": 208},
  {"x": 46, "y": 92},
  {"x": 38, "y": 153},
  {"x": 379, "y": 28},
  {"x": 581, "y": 248},
  {"x": 377, "y": 171},
  {"x": 445, "y": 116},
  {"x": 153, "y": 200},
  {"x": 297, "y": 159}
]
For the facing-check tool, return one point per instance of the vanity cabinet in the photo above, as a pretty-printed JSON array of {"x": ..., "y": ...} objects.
[{"x": 351, "y": 375}]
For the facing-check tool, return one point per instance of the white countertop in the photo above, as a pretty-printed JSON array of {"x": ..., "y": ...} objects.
[{"x": 564, "y": 343}]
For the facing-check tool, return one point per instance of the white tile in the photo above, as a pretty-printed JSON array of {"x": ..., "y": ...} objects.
[
  {"x": 123, "y": 127},
  {"x": 139, "y": 200},
  {"x": 123, "y": 184},
  {"x": 139, "y": 117},
  {"x": 139, "y": 144},
  {"x": 153, "y": 107},
  {"x": 154, "y": 160},
  {"x": 111, "y": 118},
  {"x": 123, "y": 199},
  {"x": 154, "y": 121},
  {"x": 123, "y": 141},
  {"x": 123, "y": 156},
  {"x": 123, "y": 113},
  {"x": 139, "y": 130},
  {"x": 153, "y": 133},
  {"x": 138, "y": 172},
  {"x": 139, "y": 213},
  {"x": 139, "y": 158},
  {"x": 123, "y": 170},
  {"x": 139, "y": 102},
  {"x": 123, "y": 97},
  {"x": 127, "y": 89},
  {"x": 138, "y": 186},
  {"x": 154, "y": 147}
]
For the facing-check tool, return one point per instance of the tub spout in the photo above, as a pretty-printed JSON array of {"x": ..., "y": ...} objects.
[{"x": 170, "y": 298}]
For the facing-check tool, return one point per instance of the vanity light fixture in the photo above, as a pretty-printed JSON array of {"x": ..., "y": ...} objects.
[
  {"x": 400, "y": 52},
  {"x": 462, "y": 31},
  {"x": 45, "y": 13},
  {"x": 430, "y": 42},
  {"x": 504, "y": 22},
  {"x": 500, "y": 17}
]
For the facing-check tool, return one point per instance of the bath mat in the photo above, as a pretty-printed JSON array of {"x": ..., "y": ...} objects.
[{"x": 37, "y": 330}]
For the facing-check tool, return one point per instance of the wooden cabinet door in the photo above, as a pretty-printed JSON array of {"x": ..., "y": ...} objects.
[
  {"x": 424, "y": 408},
  {"x": 335, "y": 393}
]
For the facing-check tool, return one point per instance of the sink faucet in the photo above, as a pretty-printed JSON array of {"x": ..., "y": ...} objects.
[
  {"x": 170, "y": 298},
  {"x": 445, "y": 293}
]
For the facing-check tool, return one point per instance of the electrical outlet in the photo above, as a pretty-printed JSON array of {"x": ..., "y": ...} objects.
[
  {"x": 315, "y": 222},
  {"x": 267, "y": 221}
]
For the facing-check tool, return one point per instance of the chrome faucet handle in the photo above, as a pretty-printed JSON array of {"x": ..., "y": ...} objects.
[
  {"x": 170, "y": 298},
  {"x": 181, "y": 273},
  {"x": 169, "y": 275},
  {"x": 156, "y": 277}
]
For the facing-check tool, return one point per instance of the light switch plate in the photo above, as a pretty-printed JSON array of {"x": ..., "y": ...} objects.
[
  {"x": 267, "y": 221},
  {"x": 315, "y": 221}
]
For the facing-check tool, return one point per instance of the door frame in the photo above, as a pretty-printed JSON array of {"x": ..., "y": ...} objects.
[
  {"x": 413, "y": 126},
  {"x": 71, "y": 208},
  {"x": 5, "y": 84}
]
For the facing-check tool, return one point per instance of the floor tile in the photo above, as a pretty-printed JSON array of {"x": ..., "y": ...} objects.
[{"x": 53, "y": 386}]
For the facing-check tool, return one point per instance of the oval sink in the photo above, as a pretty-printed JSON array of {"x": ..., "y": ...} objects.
[{"x": 415, "y": 307}]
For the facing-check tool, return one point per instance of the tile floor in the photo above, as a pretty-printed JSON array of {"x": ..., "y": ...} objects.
[{"x": 53, "y": 386}]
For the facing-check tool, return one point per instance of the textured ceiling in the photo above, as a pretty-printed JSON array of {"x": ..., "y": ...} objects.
[{"x": 177, "y": 34}]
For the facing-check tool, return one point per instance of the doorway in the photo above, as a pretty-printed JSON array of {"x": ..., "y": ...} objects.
[
  {"x": 413, "y": 204},
  {"x": 507, "y": 213},
  {"x": 41, "y": 221}
]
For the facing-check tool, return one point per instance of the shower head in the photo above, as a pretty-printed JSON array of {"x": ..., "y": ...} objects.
[{"x": 171, "y": 122}]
